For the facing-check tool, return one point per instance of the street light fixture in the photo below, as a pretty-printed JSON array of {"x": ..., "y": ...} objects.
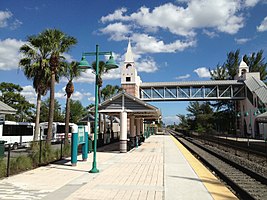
[{"x": 110, "y": 64}]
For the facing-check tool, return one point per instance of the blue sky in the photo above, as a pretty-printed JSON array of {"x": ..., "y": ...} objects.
[{"x": 172, "y": 40}]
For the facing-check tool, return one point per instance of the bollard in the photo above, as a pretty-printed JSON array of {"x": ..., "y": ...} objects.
[{"x": 136, "y": 142}]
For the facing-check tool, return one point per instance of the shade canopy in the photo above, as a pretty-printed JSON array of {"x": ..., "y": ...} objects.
[{"x": 131, "y": 104}]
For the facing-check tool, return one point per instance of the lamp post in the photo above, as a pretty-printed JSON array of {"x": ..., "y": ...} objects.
[{"x": 110, "y": 64}]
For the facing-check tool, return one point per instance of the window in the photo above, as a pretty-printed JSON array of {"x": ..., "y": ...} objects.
[
  {"x": 61, "y": 129},
  {"x": 128, "y": 79},
  {"x": 17, "y": 130}
]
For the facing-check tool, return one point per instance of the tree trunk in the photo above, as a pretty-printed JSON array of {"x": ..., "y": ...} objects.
[
  {"x": 69, "y": 90},
  {"x": 51, "y": 108},
  {"x": 67, "y": 119},
  {"x": 37, "y": 119}
]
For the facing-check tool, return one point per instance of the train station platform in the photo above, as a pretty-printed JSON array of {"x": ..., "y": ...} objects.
[{"x": 161, "y": 168}]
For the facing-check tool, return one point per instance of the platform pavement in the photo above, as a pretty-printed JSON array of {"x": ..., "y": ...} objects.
[{"x": 158, "y": 169}]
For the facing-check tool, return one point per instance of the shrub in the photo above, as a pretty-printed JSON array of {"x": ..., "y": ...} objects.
[
  {"x": 2, "y": 168},
  {"x": 66, "y": 150},
  {"x": 21, "y": 163}
]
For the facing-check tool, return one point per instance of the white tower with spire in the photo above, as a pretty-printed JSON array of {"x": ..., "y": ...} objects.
[
  {"x": 242, "y": 70},
  {"x": 130, "y": 81}
]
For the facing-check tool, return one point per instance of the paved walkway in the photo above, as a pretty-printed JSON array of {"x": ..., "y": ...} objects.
[{"x": 158, "y": 169}]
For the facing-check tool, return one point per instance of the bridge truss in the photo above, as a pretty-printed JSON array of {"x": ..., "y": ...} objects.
[{"x": 193, "y": 90}]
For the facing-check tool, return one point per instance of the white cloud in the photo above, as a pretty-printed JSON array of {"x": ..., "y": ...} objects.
[
  {"x": 170, "y": 120},
  {"x": 117, "y": 31},
  {"x": 14, "y": 25},
  {"x": 117, "y": 15},
  {"x": 86, "y": 77},
  {"x": 202, "y": 72},
  {"x": 242, "y": 40},
  {"x": 251, "y": 3},
  {"x": 147, "y": 65},
  {"x": 112, "y": 74},
  {"x": 9, "y": 53},
  {"x": 79, "y": 96},
  {"x": 29, "y": 93},
  {"x": 221, "y": 15},
  {"x": 211, "y": 34},
  {"x": 150, "y": 44},
  {"x": 68, "y": 57},
  {"x": 4, "y": 16},
  {"x": 263, "y": 26},
  {"x": 182, "y": 77},
  {"x": 5, "y": 20}
]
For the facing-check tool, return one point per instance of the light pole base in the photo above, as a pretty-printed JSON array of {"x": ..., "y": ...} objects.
[{"x": 94, "y": 170}]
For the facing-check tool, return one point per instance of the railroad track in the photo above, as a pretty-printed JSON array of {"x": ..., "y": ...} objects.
[
  {"x": 241, "y": 146},
  {"x": 246, "y": 183}
]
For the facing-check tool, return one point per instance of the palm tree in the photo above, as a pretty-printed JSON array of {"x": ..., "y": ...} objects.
[
  {"x": 58, "y": 43},
  {"x": 34, "y": 63},
  {"x": 109, "y": 91},
  {"x": 71, "y": 71}
]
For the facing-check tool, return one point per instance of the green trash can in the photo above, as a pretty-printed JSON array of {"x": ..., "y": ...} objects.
[
  {"x": 2, "y": 148},
  {"x": 90, "y": 145}
]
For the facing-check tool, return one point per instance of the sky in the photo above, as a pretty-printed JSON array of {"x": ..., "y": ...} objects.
[{"x": 172, "y": 41}]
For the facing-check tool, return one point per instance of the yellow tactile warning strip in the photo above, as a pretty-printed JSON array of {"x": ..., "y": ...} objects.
[{"x": 217, "y": 189}]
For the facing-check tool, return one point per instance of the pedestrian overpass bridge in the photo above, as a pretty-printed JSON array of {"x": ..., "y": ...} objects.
[
  {"x": 193, "y": 90},
  {"x": 247, "y": 89}
]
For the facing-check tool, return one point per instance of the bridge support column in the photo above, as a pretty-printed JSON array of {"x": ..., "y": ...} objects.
[
  {"x": 123, "y": 134},
  {"x": 132, "y": 131}
]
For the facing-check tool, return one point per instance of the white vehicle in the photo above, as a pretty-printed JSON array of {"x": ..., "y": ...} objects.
[
  {"x": 18, "y": 134},
  {"x": 58, "y": 130}
]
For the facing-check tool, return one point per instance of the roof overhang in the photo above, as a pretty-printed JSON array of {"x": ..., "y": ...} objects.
[
  {"x": 6, "y": 109},
  {"x": 124, "y": 102}
]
